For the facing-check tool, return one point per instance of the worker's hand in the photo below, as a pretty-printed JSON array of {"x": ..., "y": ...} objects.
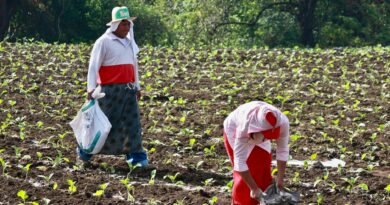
[
  {"x": 258, "y": 195},
  {"x": 89, "y": 94},
  {"x": 138, "y": 95}
]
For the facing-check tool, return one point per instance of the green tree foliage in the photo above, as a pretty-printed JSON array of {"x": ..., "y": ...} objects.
[
  {"x": 220, "y": 23},
  {"x": 82, "y": 20},
  {"x": 354, "y": 23}
]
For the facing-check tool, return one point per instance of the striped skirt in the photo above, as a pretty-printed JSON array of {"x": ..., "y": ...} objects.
[{"x": 120, "y": 105}]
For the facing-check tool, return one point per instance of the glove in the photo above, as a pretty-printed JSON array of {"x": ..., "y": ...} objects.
[{"x": 258, "y": 195}]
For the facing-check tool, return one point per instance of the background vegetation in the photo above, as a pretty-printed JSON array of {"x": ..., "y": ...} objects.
[{"x": 200, "y": 23}]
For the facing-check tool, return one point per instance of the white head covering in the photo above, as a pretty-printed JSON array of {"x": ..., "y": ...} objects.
[
  {"x": 259, "y": 122},
  {"x": 114, "y": 26},
  {"x": 130, "y": 35}
]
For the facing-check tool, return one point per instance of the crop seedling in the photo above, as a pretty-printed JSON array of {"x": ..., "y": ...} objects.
[
  {"x": 296, "y": 177},
  {"x": 129, "y": 188},
  {"x": 23, "y": 195},
  {"x": 208, "y": 182},
  {"x": 132, "y": 168},
  {"x": 173, "y": 178},
  {"x": 55, "y": 185},
  {"x": 46, "y": 178},
  {"x": 57, "y": 161},
  {"x": 100, "y": 191},
  {"x": 209, "y": 151},
  {"x": 191, "y": 143},
  {"x": 26, "y": 168},
  {"x": 4, "y": 165},
  {"x": 363, "y": 186},
  {"x": 387, "y": 188},
  {"x": 180, "y": 201},
  {"x": 72, "y": 186},
  {"x": 153, "y": 202},
  {"x": 213, "y": 200},
  {"x": 39, "y": 155},
  {"x": 320, "y": 198},
  {"x": 107, "y": 167},
  {"x": 18, "y": 151},
  {"x": 152, "y": 176},
  {"x": 351, "y": 181}
]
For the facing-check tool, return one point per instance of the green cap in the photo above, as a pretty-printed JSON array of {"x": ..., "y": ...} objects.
[{"x": 119, "y": 14}]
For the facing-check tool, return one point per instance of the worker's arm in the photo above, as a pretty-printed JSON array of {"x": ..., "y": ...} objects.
[
  {"x": 282, "y": 151},
  {"x": 247, "y": 177},
  {"x": 255, "y": 192},
  {"x": 281, "y": 170}
]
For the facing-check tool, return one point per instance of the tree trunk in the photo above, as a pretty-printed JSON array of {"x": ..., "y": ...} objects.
[
  {"x": 306, "y": 21},
  {"x": 7, "y": 10}
]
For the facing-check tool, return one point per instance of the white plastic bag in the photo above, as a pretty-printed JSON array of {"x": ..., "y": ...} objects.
[{"x": 91, "y": 126}]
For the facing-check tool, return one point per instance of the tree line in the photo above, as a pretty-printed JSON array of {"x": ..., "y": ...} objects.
[{"x": 202, "y": 23}]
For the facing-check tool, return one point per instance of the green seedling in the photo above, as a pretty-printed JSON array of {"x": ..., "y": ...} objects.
[
  {"x": 129, "y": 188},
  {"x": 132, "y": 168},
  {"x": 387, "y": 188},
  {"x": 306, "y": 164},
  {"x": 229, "y": 185},
  {"x": 153, "y": 202},
  {"x": 296, "y": 177},
  {"x": 313, "y": 156},
  {"x": 191, "y": 143},
  {"x": 152, "y": 177},
  {"x": 18, "y": 151},
  {"x": 55, "y": 185},
  {"x": 39, "y": 124},
  {"x": 180, "y": 202},
  {"x": 57, "y": 161},
  {"x": 320, "y": 198},
  {"x": 100, "y": 191},
  {"x": 23, "y": 195},
  {"x": 209, "y": 151},
  {"x": 72, "y": 186},
  {"x": 106, "y": 167},
  {"x": 46, "y": 178},
  {"x": 363, "y": 186},
  {"x": 4, "y": 165},
  {"x": 208, "y": 182},
  {"x": 351, "y": 182},
  {"x": 25, "y": 168},
  {"x": 39, "y": 155},
  {"x": 173, "y": 178},
  {"x": 12, "y": 102},
  {"x": 213, "y": 200}
]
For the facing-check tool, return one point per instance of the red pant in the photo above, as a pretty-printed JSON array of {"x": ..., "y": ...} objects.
[{"x": 259, "y": 164}]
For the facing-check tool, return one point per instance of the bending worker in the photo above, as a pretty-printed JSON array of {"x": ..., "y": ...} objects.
[{"x": 248, "y": 132}]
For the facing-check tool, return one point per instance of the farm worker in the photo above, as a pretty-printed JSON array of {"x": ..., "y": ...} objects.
[
  {"x": 113, "y": 65},
  {"x": 248, "y": 132}
]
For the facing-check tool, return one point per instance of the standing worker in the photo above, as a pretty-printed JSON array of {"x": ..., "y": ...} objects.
[
  {"x": 113, "y": 65},
  {"x": 248, "y": 132}
]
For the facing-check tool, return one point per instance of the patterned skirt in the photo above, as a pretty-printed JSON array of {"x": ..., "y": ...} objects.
[{"x": 121, "y": 108}]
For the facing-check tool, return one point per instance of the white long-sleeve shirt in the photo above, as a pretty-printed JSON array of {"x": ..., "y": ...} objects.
[
  {"x": 249, "y": 118},
  {"x": 111, "y": 50}
]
